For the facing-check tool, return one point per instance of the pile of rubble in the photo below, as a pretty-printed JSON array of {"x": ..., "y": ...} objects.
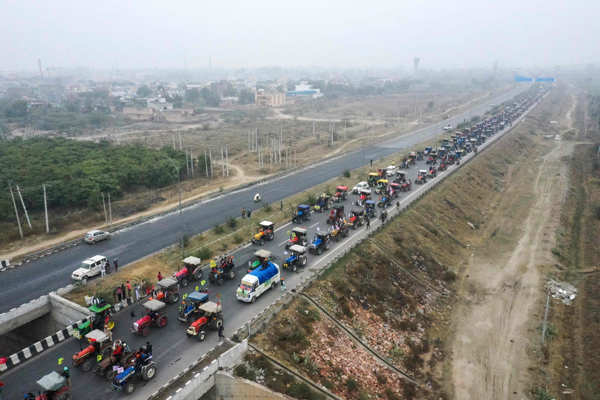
[{"x": 562, "y": 291}]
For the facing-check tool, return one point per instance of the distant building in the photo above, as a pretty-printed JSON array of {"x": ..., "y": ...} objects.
[
  {"x": 159, "y": 104},
  {"x": 305, "y": 90},
  {"x": 269, "y": 99}
]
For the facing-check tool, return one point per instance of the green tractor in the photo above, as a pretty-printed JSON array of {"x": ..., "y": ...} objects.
[{"x": 101, "y": 319}]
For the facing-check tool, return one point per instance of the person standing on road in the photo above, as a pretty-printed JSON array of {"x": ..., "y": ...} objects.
[
  {"x": 159, "y": 276},
  {"x": 221, "y": 335},
  {"x": 103, "y": 269},
  {"x": 368, "y": 222},
  {"x": 282, "y": 284},
  {"x": 244, "y": 212},
  {"x": 116, "y": 264},
  {"x": 249, "y": 212}
]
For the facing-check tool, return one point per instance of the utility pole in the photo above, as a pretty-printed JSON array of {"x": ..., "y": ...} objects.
[
  {"x": 180, "y": 141},
  {"x": 109, "y": 210},
  {"x": 205, "y": 163},
  {"x": 24, "y": 208},
  {"x": 104, "y": 207},
  {"x": 16, "y": 210},
  {"x": 192, "y": 162},
  {"x": 227, "y": 158},
  {"x": 187, "y": 163},
  {"x": 211, "y": 162},
  {"x": 174, "y": 146},
  {"x": 46, "y": 209}
]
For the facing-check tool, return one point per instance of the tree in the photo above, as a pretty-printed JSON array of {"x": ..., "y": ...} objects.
[
  {"x": 192, "y": 95},
  {"x": 144, "y": 91},
  {"x": 17, "y": 109}
]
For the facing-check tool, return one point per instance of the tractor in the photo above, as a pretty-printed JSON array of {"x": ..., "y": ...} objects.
[
  {"x": 336, "y": 213},
  {"x": 211, "y": 318},
  {"x": 99, "y": 345},
  {"x": 297, "y": 258},
  {"x": 339, "y": 231},
  {"x": 121, "y": 354},
  {"x": 356, "y": 218},
  {"x": 221, "y": 269},
  {"x": 341, "y": 193},
  {"x": 395, "y": 188},
  {"x": 432, "y": 173},
  {"x": 384, "y": 201},
  {"x": 100, "y": 318},
  {"x": 421, "y": 177},
  {"x": 298, "y": 236},
  {"x": 323, "y": 202},
  {"x": 406, "y": 186},
  {"x": 261, "y": 257},
  {"x": 320, "y": 243},
  {"x": 381, "y": 186},
  {"x": 302, "y": 214},
  {"x": 266, "y": 231},
  {"x": 191, "y": 271},
  {"x": 190, "y": 306},
  {"x": 54, "y": 387},
  {"x": 373, "y": 178},
  {"x": 370, "y": 208},
  {"x": 142, "y": 366},
  {"x": 154, "y": 316},
  {"x": 168, "y": 290}
]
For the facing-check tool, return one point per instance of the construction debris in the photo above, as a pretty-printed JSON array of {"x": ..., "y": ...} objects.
[{"x": 562, "y": 291}]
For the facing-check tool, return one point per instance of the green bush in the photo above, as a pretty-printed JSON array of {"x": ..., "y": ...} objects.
[
  {"x": 237, "y": 238},
  {"x": 347, "y": 173},
  {"x": 232, "y": 222},
  {"x": 301, "y": 390},
  {"x": 204, "y": 253},
  {"x": 267, "y": 208},
  {"x": 218, "y": 229},
  {"x": 243, "y": 372},
  {"x": 351, "y": 384}
]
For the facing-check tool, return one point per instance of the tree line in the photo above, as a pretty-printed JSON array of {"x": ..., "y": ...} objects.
[{"x": 76, "y": 173}]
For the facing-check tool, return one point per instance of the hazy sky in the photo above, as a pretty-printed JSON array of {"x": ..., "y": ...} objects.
[{"x": 169, "y": 33}]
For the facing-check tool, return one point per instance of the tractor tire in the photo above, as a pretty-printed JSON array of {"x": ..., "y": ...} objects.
[
  {"x": 294, "y": 268},
  {"x": 184, "y": 282},
  {"x": 162, "y": 321},
  {"x": 201, "y": 336},
  {"x": 231, "y": 274},
  {"x": 87, "y": 365},
  {"x": 219, "y": 323},
  {"x": 175, "y": 298},
  {"x": 303, "y": 261},
  {"x": 319, "y": 251},
  {"x": 149, "y": 373},
  {"x": 129, "y": 388},
  {"x": 110, "y": 374},
  {"x": 326, "y": 245}
]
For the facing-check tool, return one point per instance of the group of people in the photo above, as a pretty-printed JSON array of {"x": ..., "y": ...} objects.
[
  {"x": 246, "y": 212},
  {"x": 105, "y": 269}
]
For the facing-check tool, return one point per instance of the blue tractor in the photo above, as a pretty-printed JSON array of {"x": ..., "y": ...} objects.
[
  {"x": 320, "y": 243},
  {"x": 142, "y": 367},
  {"x": 302, "y": 214},
  {"x": 190, "y": 306},
  {"x": 297, "y": 258}
]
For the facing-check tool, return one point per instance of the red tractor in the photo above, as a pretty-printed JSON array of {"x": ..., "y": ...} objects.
[
  {"x": 432, "y": 173},
  {"x": 406, "y": 186},
  {"x": 54, "y": 387},
  {"x": 99, "y": 345},
  {"x": 191, "y": 271},
  {"x": 153, "y": 317},
  {"x": 341, "y": 193}
]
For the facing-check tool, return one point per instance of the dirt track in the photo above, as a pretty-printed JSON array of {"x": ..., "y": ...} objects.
[{"x": 494, "y": 325}]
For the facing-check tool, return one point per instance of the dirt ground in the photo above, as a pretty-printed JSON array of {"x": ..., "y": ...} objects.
[{"x": 501, "y": 287}]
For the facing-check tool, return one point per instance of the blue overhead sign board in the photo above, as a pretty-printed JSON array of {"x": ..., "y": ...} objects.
[
  {"x": 519, "y": 78},
  {"x": 544, "y": 79}
]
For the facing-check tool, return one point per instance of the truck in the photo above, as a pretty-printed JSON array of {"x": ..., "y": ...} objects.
[{"x": 258, "y": 281}]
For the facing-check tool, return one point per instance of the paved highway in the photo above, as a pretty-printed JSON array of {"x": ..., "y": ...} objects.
[
  {"x": 50, "y": 273},
  {"x": 173, "y": 350}
]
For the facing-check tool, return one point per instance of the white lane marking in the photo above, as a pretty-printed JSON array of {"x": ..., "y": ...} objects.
[{"x": 313, "y": 225}]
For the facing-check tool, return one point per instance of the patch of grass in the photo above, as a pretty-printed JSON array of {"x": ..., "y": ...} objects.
[
  {"x": 243, "y": 372},
  {"x": 347, "y": 173},
  {"x": 204, "y": 253},
  {"x": 218, "y": 229},
  {"x": 237, "y": 238},
  {"x": 541, "y": 394},
  {"x": 351, "y": 384},
  {"x": 232, "y": 222}
]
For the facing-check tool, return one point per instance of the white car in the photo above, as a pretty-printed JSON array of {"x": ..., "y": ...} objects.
[
  {"x": 361, "y": 186},
  {"x": 89, "y": 268},
  {"x": 391, "y": 170},
  {"x": 448, "y": 127},
  {"x": 96, "y": 236}
]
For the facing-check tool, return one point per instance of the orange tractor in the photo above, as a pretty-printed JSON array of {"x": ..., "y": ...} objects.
[{"x": 99, "y": 345}]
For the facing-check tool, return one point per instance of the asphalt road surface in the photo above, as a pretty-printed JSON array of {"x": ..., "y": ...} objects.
[
  {"x": 173, "y": 350},
  {"x": 52, "y": 272}
]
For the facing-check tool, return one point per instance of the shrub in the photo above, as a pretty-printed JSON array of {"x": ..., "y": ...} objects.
[
  {"x": 347, "y": 173},
  {"x": 219, "y": 229},
  {"x": 449, "y": 276},
  {"x": 204, "y": 253},
  {"x": 244, "y": 372},
  {"x": 267, "y": 208},
  {"x": 410, "y": 391},
  {"x": 232, "y": 222},
  {"x": 237, "y": 239},
  {"x": 311, "y": 199},
  {"x": 389, "y": 393},
  {"x": 351, "y": 384},
  {"x": 185, "y": 239}
]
